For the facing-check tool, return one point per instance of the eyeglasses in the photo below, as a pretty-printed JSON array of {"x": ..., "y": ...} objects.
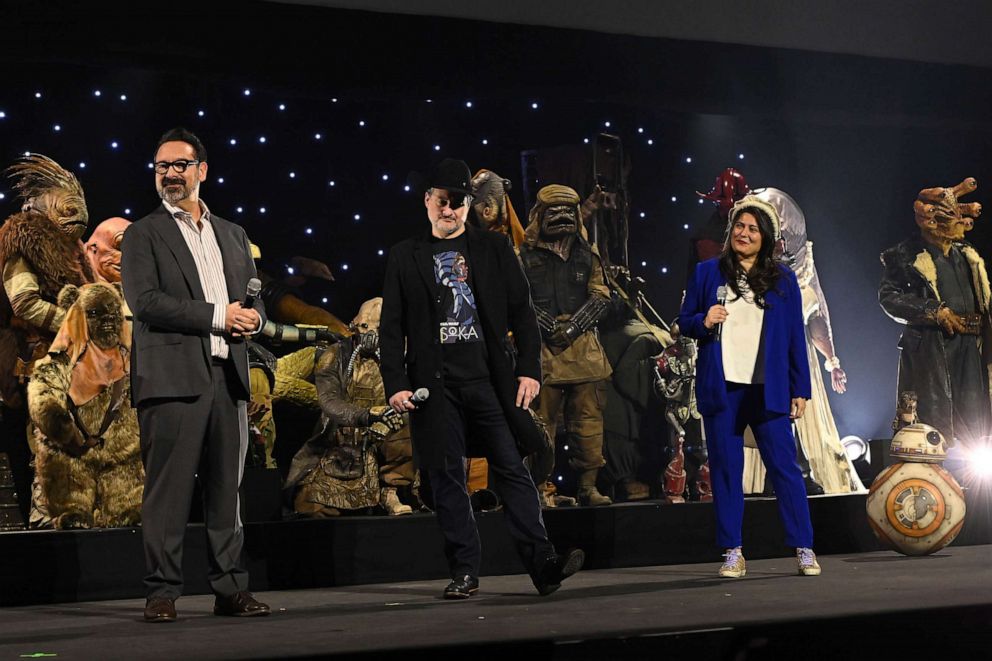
[
  {"x": 179, "y": 166},
  {"x": 455, "y": 201}
]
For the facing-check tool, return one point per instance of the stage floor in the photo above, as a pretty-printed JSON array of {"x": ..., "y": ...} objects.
[{"x": 858, "y": 601}]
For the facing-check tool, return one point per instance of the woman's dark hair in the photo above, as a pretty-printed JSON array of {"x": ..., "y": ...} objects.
[
  {"x": 766, "y": 271},
  {"x": 179, "y": 134}
]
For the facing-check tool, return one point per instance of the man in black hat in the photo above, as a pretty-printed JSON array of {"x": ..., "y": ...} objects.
[{"x": 457, "y": 301}]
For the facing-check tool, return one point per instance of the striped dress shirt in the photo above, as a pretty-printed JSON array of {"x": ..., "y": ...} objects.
[{"x": 202, "y": 242}]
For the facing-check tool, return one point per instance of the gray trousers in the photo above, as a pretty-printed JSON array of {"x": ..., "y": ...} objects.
[{"x": 182, "y": 439}]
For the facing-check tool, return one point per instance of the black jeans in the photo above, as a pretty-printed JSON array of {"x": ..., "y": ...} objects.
[{"x": 474, "y": 409}]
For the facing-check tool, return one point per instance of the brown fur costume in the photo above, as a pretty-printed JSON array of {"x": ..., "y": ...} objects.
[{"x": 88, "y": 479}]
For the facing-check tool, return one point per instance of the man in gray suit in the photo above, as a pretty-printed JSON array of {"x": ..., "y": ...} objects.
[{"x": 183, "y": 271}]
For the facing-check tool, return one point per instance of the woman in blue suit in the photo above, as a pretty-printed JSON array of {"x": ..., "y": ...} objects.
[{"x": 751, "y": 371}]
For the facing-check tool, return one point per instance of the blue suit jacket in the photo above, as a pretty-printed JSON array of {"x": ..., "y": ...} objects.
[{"x": 786, "y": 366}]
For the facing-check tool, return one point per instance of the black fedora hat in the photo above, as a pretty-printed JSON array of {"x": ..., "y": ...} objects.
[{"x": 450, "y": 174}]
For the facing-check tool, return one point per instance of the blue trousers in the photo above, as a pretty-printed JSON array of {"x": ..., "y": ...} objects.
[{"x": 725, "y": 443}]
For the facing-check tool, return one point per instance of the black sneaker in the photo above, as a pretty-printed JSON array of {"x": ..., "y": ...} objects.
[
  {"x": 462, "y": 587},
  {"x": 557, "y": 568}
]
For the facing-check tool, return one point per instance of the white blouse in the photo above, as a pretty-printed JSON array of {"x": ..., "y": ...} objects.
[{"x": 741, "y": 342}]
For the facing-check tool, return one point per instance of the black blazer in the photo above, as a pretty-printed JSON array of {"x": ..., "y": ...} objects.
[
  {"x": 409, "y": 334},
  {"x": 170, "y": 352}
]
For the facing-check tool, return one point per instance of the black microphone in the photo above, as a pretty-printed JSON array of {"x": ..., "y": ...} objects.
[
  {"x": 420, "y": 396},
  {"x": 721, "y": 299},
  {"x": 254, "y": 286}
]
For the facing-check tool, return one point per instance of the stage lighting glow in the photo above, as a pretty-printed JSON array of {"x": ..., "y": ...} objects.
[
  {"x": 468, "y": 104},
  {"x": 57, "y": 128},
  {"x": 233, "y": 141},
  {"x": 560, "y": 478},
  {"x": 674, "y": 199},
  {"x": 644, "y": 263},
  {"x": 200, "y": 113},
  {"x": 688, "y": 159},
  {"x": 127, "y": 212},
  {"x": 113, "y": 145},
  {"x": 740, "y": 156},
  {"x": 37, "y": 95},
  {"x": 282, "y": 106},
  {"x": 2, "y": 196},
  {"x": 381, "y": 252},
  {"x": 485, "y": 142},
  {"x": 27, "y": 153},
  {"x": 358, "y": 216},
  {"x": 980, "y": 462},
  {"x": 3, "y": 115},
  {"x": 289, "y": 270},
  {"x": 151, "y": 165},
  {"x": 247, "y": 92},
  {"x": 240, "y": 209},
  {"x": 664, "y": 269},
  {"x": 309, "y": 230},
  {"x": 261, "y": 210},
  {"x": 643, "y": 215},
  {"x": 437, "y": 147},
  {"x": 334, "y": 100},
  {"x": 344, "y": 267},
  {"x": 361, "y": 122},
  {"x": 585, "y": 140},
  {"x": 317, "y": 136},
  {"x": 385, "y": 177},
  {"x": 323, "y": 300},
  {"x": 220, "y": 180},
  {"x": 261, "y": 139},
  {"x": 406, "y": 188},
  {"x": 640, "y": 130},
  {"x": 685, "y": 226},
  {"x": 96, "y": 92},
  {"x": 855, "y": 448},
  {"x": 123, "y": 97},
  {"x": 700, "y": 200},
  {"x": 82, "y": 165},
  {"x": 534, "y": 105},
  {"x": 606, "y": 124},
  {"x": 650, "y": 141},
  {"x": 292, "y": 175},
  {"x": 429, "y": 100},
  {"x": 331, "y": 183}
]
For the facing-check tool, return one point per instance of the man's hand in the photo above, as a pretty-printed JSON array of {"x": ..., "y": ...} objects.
[
  {"x": 400, "y": 402},
  {"x": 239, "y": 321},
  {"x": 527, "y": 391},
  {"x": 715, "y": 315},
  {"x": 951, "y": 321},
  {"x": 798, "y": 408}
]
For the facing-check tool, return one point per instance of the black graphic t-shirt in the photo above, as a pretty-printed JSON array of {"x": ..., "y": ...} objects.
[{"x": 460, "y": 329}]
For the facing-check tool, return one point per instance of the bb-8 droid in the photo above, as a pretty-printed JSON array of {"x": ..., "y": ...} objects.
[{"x": 916, "y": 506}]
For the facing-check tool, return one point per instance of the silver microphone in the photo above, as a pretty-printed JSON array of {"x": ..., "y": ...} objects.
[
  {"x": 420, "y": 396},
  {"x": 254, "y": 286},
  {"x": 721, "y": 299}
]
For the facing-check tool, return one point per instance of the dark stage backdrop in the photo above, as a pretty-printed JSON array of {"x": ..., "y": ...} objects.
[{"x": 313, "y": 118}]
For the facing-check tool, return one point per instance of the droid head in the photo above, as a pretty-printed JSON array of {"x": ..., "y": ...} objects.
[{"x": 919, "y": 443}]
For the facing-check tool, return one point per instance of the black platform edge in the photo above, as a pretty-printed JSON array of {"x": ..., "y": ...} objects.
[
  {"x": 68, "y": 566},
  {"x": 872, "y": 637}
]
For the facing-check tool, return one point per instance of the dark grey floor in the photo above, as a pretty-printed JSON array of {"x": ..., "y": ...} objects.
[{"x": 594, "y": 604}]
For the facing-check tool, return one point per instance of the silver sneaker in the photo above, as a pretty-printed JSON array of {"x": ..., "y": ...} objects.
[
  {"x": 808, "y": 566},
  {"x": 733, "y": 564}
]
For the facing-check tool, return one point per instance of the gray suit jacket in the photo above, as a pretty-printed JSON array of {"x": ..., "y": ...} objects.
[{"x": 170, "y": 354}]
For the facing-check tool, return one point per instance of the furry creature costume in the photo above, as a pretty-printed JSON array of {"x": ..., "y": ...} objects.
[{"x": 88, "y": 456}]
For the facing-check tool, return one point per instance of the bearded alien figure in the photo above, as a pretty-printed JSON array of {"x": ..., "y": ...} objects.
[{"x": 570, "y": 295}]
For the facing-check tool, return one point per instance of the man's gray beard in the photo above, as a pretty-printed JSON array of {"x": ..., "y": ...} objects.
[{"x": 175, "y": 197}]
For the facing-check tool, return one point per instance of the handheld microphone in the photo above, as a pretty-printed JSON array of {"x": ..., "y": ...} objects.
[
  {"x": 721, "y": 298},
  {"x": 420, "y": 396},
  {"x": 254, "y": 286}
]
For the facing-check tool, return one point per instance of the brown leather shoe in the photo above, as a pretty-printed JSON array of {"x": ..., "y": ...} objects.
[
  {"x": 240, "y": 604},
  {"x": 160, "y": 609}
]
